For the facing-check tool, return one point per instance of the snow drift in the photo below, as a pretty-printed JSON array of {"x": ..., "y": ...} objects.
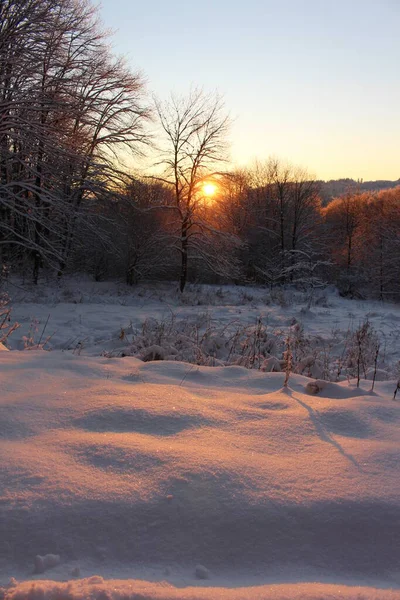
[{"x": 137, "y": 470}]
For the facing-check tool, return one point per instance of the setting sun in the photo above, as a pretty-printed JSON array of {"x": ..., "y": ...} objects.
[{"x": 209, "y": 189}]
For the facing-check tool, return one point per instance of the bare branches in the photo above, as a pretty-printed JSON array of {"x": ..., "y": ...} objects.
[
  {"x": 194, "y": 131},
  {"x": 67, "y": 108}
]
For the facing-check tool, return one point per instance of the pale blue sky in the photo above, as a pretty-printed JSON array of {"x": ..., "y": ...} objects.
[{"x": 316, "y": 82}]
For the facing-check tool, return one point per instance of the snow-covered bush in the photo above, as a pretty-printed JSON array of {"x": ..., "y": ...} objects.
[
  {"x": 202, "y": 341},
  {"x": 362, "y": 351},
  {"x": 6, "y": 325}
]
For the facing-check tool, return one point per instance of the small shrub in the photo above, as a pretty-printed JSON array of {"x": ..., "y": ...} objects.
[
  {"x": 362, "y": 351},
  {"x": 288, "y": 358},
  {"x": 6, "y": 326}
]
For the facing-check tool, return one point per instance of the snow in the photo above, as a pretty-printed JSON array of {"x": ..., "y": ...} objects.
[
  {"x": 166, "y": 480},
  {"x": 92, "y": 318},
  {"x": 43, "y": 563},
  {"x": 95, "y": 588}
]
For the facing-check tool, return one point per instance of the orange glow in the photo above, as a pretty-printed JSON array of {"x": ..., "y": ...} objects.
[{"x": 209, "y": 189}]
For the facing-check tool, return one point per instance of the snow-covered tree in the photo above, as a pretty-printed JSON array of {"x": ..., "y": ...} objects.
[{"x": 66, "y": 106}]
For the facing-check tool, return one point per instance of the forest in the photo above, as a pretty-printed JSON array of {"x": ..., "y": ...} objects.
[{"x": 97, "y": 177}]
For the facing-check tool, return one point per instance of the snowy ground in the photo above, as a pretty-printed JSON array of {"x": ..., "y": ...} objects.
[
  {"x": 108, "y": 318},
  {"x": 185, "y": 481}
]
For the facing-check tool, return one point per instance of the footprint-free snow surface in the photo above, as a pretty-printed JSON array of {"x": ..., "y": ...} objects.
[{"x": 167, "y": 480}]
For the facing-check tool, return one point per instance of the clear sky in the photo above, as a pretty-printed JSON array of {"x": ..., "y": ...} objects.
[{"x": 315, "y": 82}]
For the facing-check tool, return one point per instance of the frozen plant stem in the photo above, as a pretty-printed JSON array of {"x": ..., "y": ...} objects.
[
  {"x": 43, "y": 330},
  {"x": 375, "y": 366},
  {"x": 288, "y": 361}
]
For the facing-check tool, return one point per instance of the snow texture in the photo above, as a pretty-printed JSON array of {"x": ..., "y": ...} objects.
[
  {"x": 95, "y": 588},
  {"x": 166, "y": 480},
  {"x": 139, "y": 469}
]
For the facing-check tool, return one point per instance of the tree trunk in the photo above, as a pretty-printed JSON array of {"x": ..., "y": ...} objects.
[
  {"x": 37, "y": 260},
  {"x": 381, "y": 270},
  {"x": 184, "y": 255}
]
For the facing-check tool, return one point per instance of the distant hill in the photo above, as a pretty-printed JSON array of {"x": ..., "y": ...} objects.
[{"x": 338, "y": 187}]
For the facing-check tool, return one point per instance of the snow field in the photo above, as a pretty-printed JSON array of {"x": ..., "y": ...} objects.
[
  {"x": 130, "y": 479},
  {"x": 147, "y": 469},
  {"x": 208, "y": 325},
  {"x": 96, "y": 588}
]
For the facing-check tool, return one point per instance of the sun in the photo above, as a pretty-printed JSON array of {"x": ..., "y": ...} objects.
[{"x": 209, "y": 189}]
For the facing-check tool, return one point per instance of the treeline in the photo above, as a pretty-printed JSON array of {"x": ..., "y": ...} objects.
[
  {"x": 338, "y": 187},
  {"x": 362, "y": 237},
  {"x": 265, "y": 225},
  {"x": 69, "y": 110}
]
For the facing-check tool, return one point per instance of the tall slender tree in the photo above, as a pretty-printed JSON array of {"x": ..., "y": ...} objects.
[{"x": 194, "y": 130}]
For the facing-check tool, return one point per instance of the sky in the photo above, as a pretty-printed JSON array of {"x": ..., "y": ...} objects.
[{"x": 314, "y": 82}]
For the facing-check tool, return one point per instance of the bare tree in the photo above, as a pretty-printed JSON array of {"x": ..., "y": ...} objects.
[
  {"x": 282, "y": 210},
  {"x": 67, "y": 106},
  {"x": 235, "y": 200},
  {"x": 23, "y": 27},
  {"x": 380, "y": 252},
  {"x": 144, "y": 236},
  {"x": 343, "y": 223},
  {"x": 194, "y": 131}
]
